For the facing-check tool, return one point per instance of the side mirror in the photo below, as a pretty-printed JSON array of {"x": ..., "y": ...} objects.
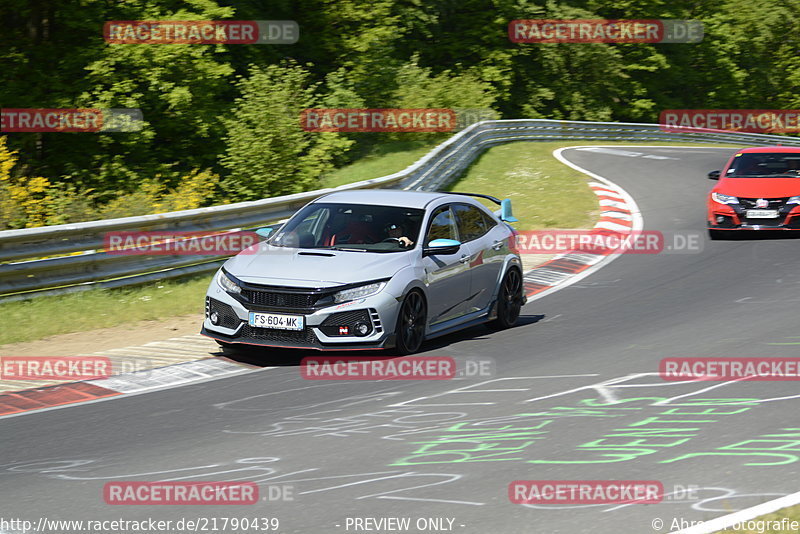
[
  {"x": 441, "y": 246},
  {"x": 265, "y": 232},
  {"x": 714, "y": 175}
]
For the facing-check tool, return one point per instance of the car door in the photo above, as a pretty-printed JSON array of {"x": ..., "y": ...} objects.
[
  {"x": 484, "y": 243},
  {"x": 446, "y": 275}
]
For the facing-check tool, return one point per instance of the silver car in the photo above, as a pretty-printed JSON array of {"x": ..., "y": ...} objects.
[{"x": 371, "y": 269}]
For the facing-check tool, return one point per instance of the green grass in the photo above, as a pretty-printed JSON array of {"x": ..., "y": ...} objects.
[
  {"x": 88, "y": 310},
  {"x": 792, "y": 514},
  {"x": 383, "y": 160},
  {"x": 545, "y": 194}
]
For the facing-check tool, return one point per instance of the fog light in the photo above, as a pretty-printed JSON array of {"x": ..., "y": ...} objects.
[
  {"x": 720, "y": 219},
  {"x": 361, "y": 329},
  {"x": 214, "y": 318}
]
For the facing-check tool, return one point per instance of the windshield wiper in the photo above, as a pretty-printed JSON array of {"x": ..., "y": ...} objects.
[{"x": 348, "y": 249}]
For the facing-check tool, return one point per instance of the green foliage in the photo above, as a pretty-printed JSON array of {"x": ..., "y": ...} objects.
[
  {"x": 268, "y": 153},
  {"x": 233, "y": 109}
]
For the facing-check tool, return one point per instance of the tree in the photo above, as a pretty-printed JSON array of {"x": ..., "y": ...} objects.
[{"x": 267, "y": 152}]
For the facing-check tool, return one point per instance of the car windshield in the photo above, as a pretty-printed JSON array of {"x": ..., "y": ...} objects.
[
  {"x": 765, "y": 165},
  {"x": 358, "y": 227}
]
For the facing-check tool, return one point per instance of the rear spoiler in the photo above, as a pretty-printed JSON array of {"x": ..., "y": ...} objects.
[{"x": 504, "y": 212}]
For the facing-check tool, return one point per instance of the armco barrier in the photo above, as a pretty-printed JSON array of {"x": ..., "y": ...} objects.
[{"x": 74, "y": 259}]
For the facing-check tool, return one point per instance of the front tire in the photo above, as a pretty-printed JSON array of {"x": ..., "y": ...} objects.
[
  {"x": 411, "y": 322},
  {"x": 509, "y": 301}
]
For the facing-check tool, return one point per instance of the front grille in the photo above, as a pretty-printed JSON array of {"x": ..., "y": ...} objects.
[
  {"x": 275, "y": 299},
  {"x": 305, "y": 337},
  {"x": 763, "y": 222},
  {"x": 227, "y": 317},
  {"x": 774, "y": 203}
]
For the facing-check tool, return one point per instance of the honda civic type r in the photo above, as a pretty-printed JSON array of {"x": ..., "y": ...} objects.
[
  {"x": 371, "y": 269},
  {"x": 759, "y": 189}
]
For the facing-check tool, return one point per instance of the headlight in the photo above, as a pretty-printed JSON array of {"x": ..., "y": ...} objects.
[
  {"x": 227, "y": 284},
  {"x": 724, "y": 199},
  {"x": 793, "y": 200},
  {"x": 358, "y": 292}
]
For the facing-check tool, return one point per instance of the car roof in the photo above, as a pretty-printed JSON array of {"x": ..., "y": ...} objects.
[
  {"x": 391, "y": 197},
  {"x": 770, "y": 149}
]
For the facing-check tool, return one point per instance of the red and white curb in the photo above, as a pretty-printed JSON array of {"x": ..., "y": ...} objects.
[
  {"x": 618, "y": 213},
  {"x": 52, "y": 397}
]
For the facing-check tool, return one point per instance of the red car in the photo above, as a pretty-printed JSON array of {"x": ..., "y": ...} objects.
[{"x": 759, "y": 189}]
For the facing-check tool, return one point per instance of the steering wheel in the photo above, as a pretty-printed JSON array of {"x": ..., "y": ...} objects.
[{"x": 393, "y": 239}]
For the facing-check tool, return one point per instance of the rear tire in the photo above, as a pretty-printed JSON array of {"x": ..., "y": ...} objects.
[
  {"x": 509, "y": 301},
  {"x": 411, "y": 323}
]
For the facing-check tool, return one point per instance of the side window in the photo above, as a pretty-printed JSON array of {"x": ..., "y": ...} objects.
[
  {"x": 471, "y": 222},
  {"x": 442, "y": 225},
  {"x": 489, "y": 221}
]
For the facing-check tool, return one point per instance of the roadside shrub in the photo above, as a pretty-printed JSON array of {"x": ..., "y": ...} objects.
[
  {"x": 267, "y": 152},
  {"x": 27, "y": 202}
]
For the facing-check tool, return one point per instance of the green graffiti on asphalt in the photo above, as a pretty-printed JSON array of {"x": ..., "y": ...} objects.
[
  {"x": 757, "y": 447},
  {"x": 675, "y": 424},
  {"x": 475, "y": 439}
]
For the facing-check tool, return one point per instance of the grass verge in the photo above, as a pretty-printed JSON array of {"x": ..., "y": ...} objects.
[
  {"x": 46, "y": 316},
  {"x": 382, "y": 160},
  {"x": 544, "y": 192}
]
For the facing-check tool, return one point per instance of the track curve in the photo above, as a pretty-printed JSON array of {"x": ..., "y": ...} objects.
[{"x": 573, "y": 398}]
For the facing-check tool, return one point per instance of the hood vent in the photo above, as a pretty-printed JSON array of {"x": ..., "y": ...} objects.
[{"x": 322, "y": 254}]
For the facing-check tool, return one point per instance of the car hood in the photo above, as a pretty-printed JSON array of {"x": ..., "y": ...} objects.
[
  {"x": 265, "y": 264},
  {"x": 759, "y": 187}
]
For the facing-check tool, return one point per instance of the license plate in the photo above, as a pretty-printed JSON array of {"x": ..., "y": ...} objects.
[
  {"x": 277, "y": 321},
  {"x": 762, "y": 214}
]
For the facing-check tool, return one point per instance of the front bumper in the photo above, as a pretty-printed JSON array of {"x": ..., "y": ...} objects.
[
  {"x": 734, "y": 217},
  {"x": 328, "y": 328}
]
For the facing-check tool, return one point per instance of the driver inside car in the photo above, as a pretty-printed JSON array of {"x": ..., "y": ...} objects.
[{"x": 397, "y": 232}]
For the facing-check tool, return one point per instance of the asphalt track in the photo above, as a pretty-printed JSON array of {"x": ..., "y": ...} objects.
[{"x": 574, "y": 389}]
